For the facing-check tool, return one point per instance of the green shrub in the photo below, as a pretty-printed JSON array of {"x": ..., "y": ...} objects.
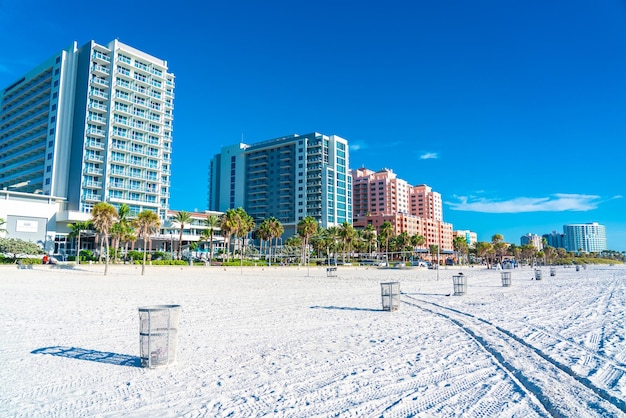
[
  {"x": 169, "y": 263},
  {"x": 136, "y": 255}
]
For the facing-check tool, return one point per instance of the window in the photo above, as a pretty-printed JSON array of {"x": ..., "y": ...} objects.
[{"x": 124, "y": 58}]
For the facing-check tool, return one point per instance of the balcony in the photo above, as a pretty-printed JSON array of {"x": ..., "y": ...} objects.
[
  {"x": 93, "y": 170},
  {"x": 97, "y": 119},
  {"x": 100, "y": 69},
  {"x": 125, "y": 97},
  {"x": 92, "y": 143},
  {"x": 99, "y": 56},
  {"x": 96, "y": 105},
  {"x": 141, "y": 90},
  {"x": 94, "y": 131},
  {"x": 36, "y": 119},
  {"x": 94, "y": 158},
  {"x": 120, "y": 83},
  {"x": 91, "y": 197},
  {"x": 100, "y": 81},
  {"x": 92, "y": 184},
  {"x": 98, "y": 93}
]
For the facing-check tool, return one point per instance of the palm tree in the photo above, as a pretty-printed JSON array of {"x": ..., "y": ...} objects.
[
  {"x": 276, "y": 231},
  {"x": 103, "y": 216},
  {"x": 385, "y": 233},
  {"x": 264, "y": 234},
  {"x": 403, "y": 241},
  {"x": 434, "y": 250},
  {"x": 182, "y": 218},
  {"x": 318, "y": 241},
  {"x": 306, "y": 227},
  {"x": 460, "y": 246},
  {"x": 123, "y": 228},
  {"x": 212, "y": 223},
  {"x": 229, "y": 222},
  {"x": 369, "y": 235},
  {"x": 76, "y": 229},
  {"x": 347, "y": 233},
  {"x": 550, "y": 253},
  {"x": 246, "y": 224},
  {"x": 482, "y": 249},
  {"x": 418, "y": 241},
  {"x": 331, "y": 241},
  {"x": 146, "y": 224}
]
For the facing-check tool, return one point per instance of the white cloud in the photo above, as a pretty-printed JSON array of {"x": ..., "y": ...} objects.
[
  {"x": 558, "y": 202},
  {"x": 429, "y": 156},
  {"x": 357, "y": 146}
]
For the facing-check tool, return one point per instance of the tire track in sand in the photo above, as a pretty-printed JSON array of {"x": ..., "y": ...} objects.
[{"x": 557, "y": 389}]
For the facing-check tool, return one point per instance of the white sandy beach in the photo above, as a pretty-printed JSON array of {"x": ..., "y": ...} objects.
[{"x": 292, "y": 342}]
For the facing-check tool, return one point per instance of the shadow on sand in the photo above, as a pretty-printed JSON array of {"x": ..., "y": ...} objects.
[
  {"x": 426, "y": 294},
  {"x": 90, "y": 355},
  {"x": 346, "y": 308}
]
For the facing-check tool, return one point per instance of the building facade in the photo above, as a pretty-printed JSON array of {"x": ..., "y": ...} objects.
[
  {"x": 588, "y": 238},
  {"x": 554, "y": 239},
  {"x": 90, "y": 124},
  {"x": 532, "y": 239},
  {"x": 470, "y": 237},
  {"x": 288, "y": 178},
  {"x": 380, "y": 196}
]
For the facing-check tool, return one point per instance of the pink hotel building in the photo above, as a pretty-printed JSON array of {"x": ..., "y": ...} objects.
[{"x": 381, "y": 196}]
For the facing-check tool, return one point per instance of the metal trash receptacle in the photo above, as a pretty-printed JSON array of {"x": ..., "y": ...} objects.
[
  {"x": 459, "y": 283},
  {"x": 506, "y": 278},
  {"x": 158, "y": 335},
  {"x": 390, "y": 293}
]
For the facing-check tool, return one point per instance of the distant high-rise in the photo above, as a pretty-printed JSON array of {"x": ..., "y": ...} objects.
[
  {"x": 532, "y": 239},
  {"x": 554, "y": 239},
  {"x": 90, "y": 124},
  {"x": 589, "y": 237},
  {"x": 288, "y": 178},
  {"x": 381, "y": 196}
]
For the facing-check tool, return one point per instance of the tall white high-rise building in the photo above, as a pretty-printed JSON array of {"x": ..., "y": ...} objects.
[
  {"x": 90, "y": 124},
  {"x": 589, "y": 237}
]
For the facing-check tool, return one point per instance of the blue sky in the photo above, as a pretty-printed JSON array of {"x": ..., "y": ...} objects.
[{"x": 515, "y": 111}]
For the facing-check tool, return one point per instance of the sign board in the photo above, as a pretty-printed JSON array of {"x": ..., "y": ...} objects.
[{"x": 23, "y": 225}]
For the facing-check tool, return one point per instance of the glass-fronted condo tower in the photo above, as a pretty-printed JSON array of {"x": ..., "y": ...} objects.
[
  {"x": 588, "y": 238},
  {"x": 91, "y": 124},
  {"x": 288, "y": 178}
]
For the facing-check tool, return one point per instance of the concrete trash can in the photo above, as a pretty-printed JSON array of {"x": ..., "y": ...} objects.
[
  {"x": 506, "y": 278},
  {"x": 577, "y": 267},
  {"x": 552, "y": 271},
  {"x": 390, "y": 293},
  {"x": 537, "y": 274},
  {"x": 331, "y": 271},
  {"x": 459, "y": 282},
  {"x": 158, "y": 335}
]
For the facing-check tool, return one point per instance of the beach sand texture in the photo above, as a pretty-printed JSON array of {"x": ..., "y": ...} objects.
[{"x": 292, "y": 342}]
